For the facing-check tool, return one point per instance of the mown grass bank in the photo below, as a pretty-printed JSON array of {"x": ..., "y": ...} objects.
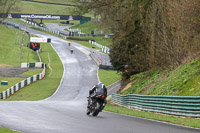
[
  {"x": 108, "y": 77},
  {"x": 28, "y": 7},
  {"x": 98, "y": 39},
  {"x": 38, "y": 8},
  {"x": 6, "y": 130},
  {"x": 57, "y": 1},
  {"x": 10, "y": 45},
  {"x": 91, "y": 26},
  {"x": 46, "y": 87},
  {"x": 182, "y": 81},
  {"x": 191, "y": 122}
]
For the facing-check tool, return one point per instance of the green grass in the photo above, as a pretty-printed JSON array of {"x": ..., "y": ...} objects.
[
  {"x": 46, "y": 87},
  {"x": 10, "y": 54},
  {"x": 39, "y": 8},
  {"x": 6, "y": 130},
  {"x": 89, "y": 26},
  {"x": 99, "y": 39},
  {"x": 11, "y": 82},
  {"x": 58, "y": 1},
  {"x": 191, "y": 122},
  {"x": 182, "y": 81},
  {"x": 42, "y": 8},
  {"x": 10, "y": 51},
  {"x": 141, "y": 81},
  {"x": 86, "y": 27},
  {"x": 108, "y": 77},
  {"x": 31, "y": 72},
  {"x": 76, "y": 22},
  {"x": 17, "y": 20}
]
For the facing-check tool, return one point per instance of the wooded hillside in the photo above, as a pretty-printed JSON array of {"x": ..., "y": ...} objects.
[{"x": 149, "y": 33}]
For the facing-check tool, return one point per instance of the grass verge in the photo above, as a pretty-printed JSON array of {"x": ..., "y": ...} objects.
[
  {"x": 57, "y": 1},
  {"x": 31, "y": 72},
  {"x": 191, "y": 122},
  {"x": 99, "y": 39},
  {"x": 10, "y": 43},
  {"x": 11, "y": 82},
  {"x": 38, "y": 8},
  {"x": 17, "y": 20},
  {"x": 6, "y": 130},
  {"x": 46, "y": 87},
  {"x": 182, "y": 81},
  {"x": 108, "y": 77},
  {"x": 90, "y": 26}
]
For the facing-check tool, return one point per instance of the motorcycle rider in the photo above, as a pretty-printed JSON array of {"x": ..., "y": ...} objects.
[{"x": 92, "y": 92}]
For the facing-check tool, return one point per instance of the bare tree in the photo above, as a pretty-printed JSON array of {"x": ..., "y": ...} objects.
[
  {"x": 149, "y": 33},
  {"x": 6, "y": 6}
]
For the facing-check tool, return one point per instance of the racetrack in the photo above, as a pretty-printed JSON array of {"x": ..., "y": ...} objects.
[{"x": 64, "y": 112}]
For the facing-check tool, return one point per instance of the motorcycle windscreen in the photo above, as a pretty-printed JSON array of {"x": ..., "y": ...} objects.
[{"x": 100, "y": 91}]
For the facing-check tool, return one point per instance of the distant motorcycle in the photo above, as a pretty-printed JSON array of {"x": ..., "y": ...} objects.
[{"x": 96, "y": 103}]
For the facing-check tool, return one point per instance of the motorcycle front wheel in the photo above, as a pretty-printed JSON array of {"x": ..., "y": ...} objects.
[
  {"x": 88, "y": 111},
  {"x": 97, "y": 109}
]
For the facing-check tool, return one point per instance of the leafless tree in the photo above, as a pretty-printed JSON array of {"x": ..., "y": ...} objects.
[{"x": 6, "y": 6}]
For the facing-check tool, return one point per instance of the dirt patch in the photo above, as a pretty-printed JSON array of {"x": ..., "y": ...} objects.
[
  {"x": 126, "y": 87},
  {"x": 11, "y": 71}
]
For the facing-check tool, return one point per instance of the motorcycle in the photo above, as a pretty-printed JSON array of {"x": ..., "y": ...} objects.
[{"x": 96, "y": 103}]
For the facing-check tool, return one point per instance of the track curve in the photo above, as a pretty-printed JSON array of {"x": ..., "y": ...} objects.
[{"x": 64, "y": 112}]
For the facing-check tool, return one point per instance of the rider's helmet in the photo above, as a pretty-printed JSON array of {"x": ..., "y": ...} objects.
[{"x": 101, "y": 85}]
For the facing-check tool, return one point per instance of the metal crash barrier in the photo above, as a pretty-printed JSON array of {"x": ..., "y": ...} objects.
[{"x": 173, "y": 105}]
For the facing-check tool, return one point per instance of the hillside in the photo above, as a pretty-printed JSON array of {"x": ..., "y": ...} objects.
[
  {"x": 58, "y": 7},
  {"x": 57, "y": 1},
  {"x": 182, "y": 81},
  {"x": 10, "y": 43},
  {"x": 38, "y": 8}
]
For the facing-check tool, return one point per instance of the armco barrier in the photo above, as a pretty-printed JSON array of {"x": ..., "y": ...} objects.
[
  {"x": 173, "y": 105},
  {"x": 15, "y": 88},
  {"x": 95, "y": 59},
  {"x": 103, "y": 48},
  {"x": 100, "y": 63}
]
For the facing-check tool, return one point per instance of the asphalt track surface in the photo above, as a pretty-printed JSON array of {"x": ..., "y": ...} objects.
[
  {"x": 65, "y": 111},
  {"x": 55, "y": 26}
]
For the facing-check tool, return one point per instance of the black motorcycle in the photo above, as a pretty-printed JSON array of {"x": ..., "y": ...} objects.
[{"x": 96, "y": 103}]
